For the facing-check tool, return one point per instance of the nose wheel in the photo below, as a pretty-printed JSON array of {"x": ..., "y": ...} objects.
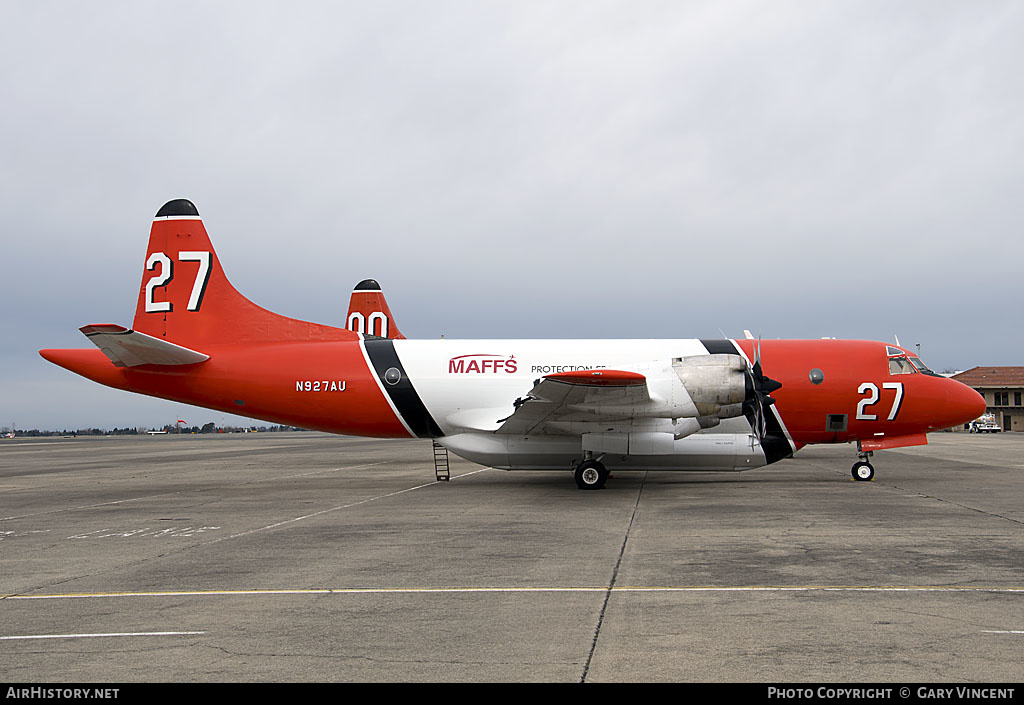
[
  {"x": 862, "y": 470},
  {"x": 590, "y": 475}
]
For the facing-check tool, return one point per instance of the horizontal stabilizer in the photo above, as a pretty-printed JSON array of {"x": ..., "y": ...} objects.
[{"x": 129, "y": 348}]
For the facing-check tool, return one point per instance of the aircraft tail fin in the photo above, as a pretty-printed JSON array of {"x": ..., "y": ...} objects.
[
  {"x": 368, "y": 312},
  {"x": 186, "y": 298}
]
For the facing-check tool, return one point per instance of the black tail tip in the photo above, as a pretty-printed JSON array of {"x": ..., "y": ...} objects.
[
  {"x": 368, "y": 285},
  {"x": 177, "y": 207}
]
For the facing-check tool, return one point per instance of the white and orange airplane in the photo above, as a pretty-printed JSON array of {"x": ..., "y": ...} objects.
[{"x": 589, "y": 406}]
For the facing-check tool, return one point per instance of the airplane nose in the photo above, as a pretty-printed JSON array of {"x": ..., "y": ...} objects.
[{"x": 964, "y": 403}]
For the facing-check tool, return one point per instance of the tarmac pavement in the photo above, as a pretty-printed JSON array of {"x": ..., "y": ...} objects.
[{"x": 309, "y": 557}]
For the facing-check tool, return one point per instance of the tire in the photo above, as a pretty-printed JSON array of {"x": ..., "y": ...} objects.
[
  {"x": 590, "y": 475},
  {"x": 863, "y": 471}
]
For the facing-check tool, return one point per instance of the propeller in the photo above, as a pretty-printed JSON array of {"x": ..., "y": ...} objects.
[{"x": 758, "y": 391}]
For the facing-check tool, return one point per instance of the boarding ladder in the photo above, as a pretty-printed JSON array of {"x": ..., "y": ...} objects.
[{"x": 441, "y": 463}]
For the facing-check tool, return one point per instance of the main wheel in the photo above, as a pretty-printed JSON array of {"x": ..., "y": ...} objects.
[
  {"x": 590, "y": 475},
  {"x": 863, "y": 471}
]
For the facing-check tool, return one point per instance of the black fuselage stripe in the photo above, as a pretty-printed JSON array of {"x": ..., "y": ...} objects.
[
  {"x": 403, "y": 394},
  {"x": 775, "y": 444},
  {"x": 719, "y": 347}
]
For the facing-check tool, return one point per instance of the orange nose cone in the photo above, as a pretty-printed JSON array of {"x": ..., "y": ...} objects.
[{"x": 965, "y": 404}]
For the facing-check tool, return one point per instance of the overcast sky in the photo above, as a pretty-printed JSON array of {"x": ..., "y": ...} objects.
[{"x": 517, "y": 169}]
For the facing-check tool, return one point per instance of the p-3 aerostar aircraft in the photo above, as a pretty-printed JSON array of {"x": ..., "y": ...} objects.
[{"x": 590, "y": 406}]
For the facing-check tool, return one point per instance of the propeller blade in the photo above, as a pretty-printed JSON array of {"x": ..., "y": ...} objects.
[{"x": 759, "y": 389}]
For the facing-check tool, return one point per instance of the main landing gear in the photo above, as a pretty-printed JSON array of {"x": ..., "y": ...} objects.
[
  {"x": 862, "y": 470},
  {"x": 590, "y": 474}
]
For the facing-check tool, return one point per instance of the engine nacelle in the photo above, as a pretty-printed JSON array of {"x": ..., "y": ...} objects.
[
  {"x": 715, "y": 383},
  {"x": 708, "y": 388}
]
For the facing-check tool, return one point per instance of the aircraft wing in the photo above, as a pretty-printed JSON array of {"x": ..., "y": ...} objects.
[
  {"x": 580, "y": 395},
  {"x": 129, "y": 348}
]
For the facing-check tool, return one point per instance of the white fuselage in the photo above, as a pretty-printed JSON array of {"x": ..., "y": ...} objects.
[{"x": 469, "y": 387}]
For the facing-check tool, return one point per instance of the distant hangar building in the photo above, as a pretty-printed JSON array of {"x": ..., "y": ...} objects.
[{"x": 1003, "y": 389}]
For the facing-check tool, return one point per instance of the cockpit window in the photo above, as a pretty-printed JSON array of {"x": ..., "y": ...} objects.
[
  {"x": 900, "y": 366},
  {"x": 921, "y": 367},
  {"x": 903, "y": 363}
]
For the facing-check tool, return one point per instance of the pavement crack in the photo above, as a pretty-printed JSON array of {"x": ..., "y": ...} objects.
[
  {"x": 960, "y": 505},
  {"x": 611, "y": 584}
]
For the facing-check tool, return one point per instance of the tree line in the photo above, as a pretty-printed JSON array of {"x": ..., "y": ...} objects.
[{"x": 143, "y": 430}]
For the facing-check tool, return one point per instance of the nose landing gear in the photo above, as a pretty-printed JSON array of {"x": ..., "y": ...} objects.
[{"x": 863, "y": 471}]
